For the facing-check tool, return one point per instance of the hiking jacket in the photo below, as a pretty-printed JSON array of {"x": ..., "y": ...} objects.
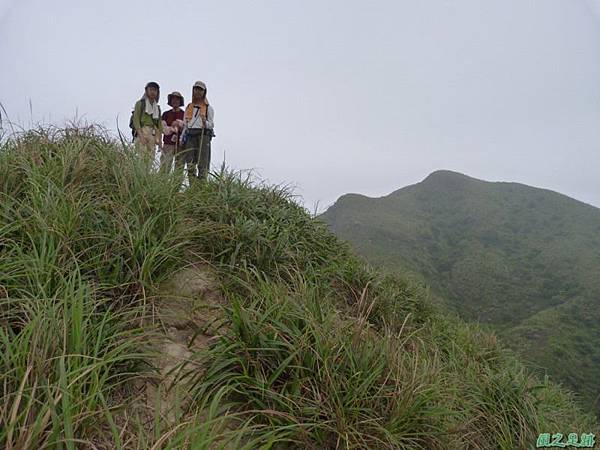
[
  {"x": 168, "y": 118},
  {"x": 192, "y": 117},
  {"x": 143, "y": 119}
]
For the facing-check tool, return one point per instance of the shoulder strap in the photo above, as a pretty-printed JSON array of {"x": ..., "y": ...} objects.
[{"x": 142, "y": 104}]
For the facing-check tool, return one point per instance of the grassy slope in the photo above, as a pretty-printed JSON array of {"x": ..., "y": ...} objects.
[
  {"x": 316, "y": 350},
  {"x": 505, "y": 254}
]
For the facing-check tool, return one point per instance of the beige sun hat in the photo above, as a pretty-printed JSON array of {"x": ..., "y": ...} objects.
[{"x": 201, "y": 85}]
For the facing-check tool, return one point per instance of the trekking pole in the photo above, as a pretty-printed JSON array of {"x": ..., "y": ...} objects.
[
  {"x": 183, "y": 144},
  {"x": 200, "y": 155}
]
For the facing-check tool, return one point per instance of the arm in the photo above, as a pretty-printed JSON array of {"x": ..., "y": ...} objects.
[
  {"x": 158, "y": 136},
  {"x": 166, "y": 128},
  {"x": 137, "y": 116},
  {"x": 210, "y": 118},
  {"x": 160, "y": 127},
  {"x": 186, "y": 115},
  {"x": 183, "y": 135}
]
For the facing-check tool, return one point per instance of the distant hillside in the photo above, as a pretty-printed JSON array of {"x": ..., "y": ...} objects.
[
  {"x": 522, "y": 259},
  {"x": 136, "y": 315}
]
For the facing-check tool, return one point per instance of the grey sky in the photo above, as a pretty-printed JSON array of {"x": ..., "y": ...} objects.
[{"x": 333, "y": 96}]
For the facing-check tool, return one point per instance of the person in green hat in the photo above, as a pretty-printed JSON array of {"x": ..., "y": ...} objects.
[{"x": 147, "y": 122}]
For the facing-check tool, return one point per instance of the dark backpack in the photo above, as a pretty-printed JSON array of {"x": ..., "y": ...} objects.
[{"x": 143, "y": 106}]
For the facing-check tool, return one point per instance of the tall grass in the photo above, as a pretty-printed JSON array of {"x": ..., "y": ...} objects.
[
  {"x": 302, "y": 303},
  {"x": 292, "y": 361},
  {"x": 317, "y": 350},
  {"x": 85, "y": 232}
]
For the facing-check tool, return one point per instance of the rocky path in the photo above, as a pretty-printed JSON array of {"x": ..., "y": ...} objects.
[{"x": 187, "y": 307}]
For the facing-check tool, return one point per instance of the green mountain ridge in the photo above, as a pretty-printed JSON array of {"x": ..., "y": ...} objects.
[{"x": 512, "y": 256}]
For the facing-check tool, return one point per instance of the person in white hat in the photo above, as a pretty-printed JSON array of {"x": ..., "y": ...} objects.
[
  {"x": 172, "y": 127},
  {"x": 199, "y": 131}
]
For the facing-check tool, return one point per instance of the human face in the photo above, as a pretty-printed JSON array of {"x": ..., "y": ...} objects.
[
  {"x": 198, "y": 93},
  {"x": 175, "y": 102},
  {"x": 152, "y": 93}
]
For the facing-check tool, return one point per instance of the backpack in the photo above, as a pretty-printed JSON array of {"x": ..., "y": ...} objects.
[{"x": 133, "y": 132}]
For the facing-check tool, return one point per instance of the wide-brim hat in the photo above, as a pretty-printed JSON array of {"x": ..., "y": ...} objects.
[
  {"x": 200, "y": 84},
  {"x": 175, "y": 94},
  {"x": 153, "y": 84}
]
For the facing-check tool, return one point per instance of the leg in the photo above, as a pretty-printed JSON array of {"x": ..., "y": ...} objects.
[
  {"x": 179, "y": 160},
  {"x": 192, "y": 149},
  {"x": 145, "y": 144},
  {"x": 204, "y": 164},
  {"x": 166, "y": 158},
  {"x": 182, "y": 156},
  {"x": 140, "y": 143},
  {"x": 150, "y": 152}
]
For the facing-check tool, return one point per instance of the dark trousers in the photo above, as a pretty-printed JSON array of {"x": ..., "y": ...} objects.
[{"x": 196, "y": 152}]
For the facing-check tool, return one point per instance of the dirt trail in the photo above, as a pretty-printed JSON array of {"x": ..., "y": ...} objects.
[{"x": 186, "y": 308}]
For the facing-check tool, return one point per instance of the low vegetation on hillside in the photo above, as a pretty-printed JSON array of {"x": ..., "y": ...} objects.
[
  {"x": 312, "y": 349},
  {"x": 521, "y": 260}
]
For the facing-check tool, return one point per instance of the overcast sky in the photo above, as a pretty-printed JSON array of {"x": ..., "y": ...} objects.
[{"x": 333, "y": 96}]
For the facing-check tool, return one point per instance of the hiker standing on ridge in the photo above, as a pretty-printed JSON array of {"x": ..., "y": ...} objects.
[
  {"x": 146, "y": 122},
  {"x": 172, "y": 127},
  {"x": 199, "y": 126}
]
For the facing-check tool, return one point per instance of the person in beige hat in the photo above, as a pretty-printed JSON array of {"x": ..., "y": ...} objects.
[
  {"x": 172, "y": 127},
  {"x": 199, "y": 131}
]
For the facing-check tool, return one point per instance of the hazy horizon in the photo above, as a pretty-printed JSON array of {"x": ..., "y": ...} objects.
[{"x": 333, "y": 97}]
